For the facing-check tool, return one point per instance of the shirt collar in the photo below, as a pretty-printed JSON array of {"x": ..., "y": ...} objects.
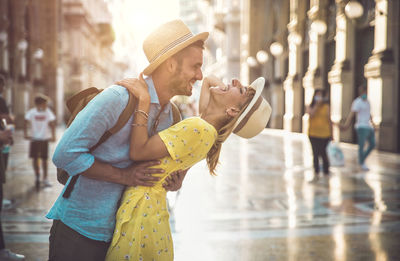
[
  {"x": 152, "y": 90},
  {"x": 153, "y": 94}
]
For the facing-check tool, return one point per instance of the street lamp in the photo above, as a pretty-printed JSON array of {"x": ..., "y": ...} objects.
[
  {"x": 295, "y": 37},
  {"x": 22, "y": 45},
  {"x": 38, "y": 54},
  {"x": 319, "y": 27},
  {"x": 354, "y": 9},
  {"x": 262, "y": 56},
  {"x": 276, "y": 49},
  {"x": 251, "y": 61}
]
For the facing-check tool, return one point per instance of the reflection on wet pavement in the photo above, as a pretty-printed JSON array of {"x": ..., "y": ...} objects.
[{"x": 261, "y": 206}]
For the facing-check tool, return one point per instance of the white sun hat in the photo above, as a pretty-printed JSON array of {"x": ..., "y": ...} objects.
[{"x": 255, "y": 117}]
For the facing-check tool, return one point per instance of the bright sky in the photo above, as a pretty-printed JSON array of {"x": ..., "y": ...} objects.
[{"x": 132, "y": 22}]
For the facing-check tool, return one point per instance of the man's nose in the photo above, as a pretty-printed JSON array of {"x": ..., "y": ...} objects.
[{"x": 199, "y": 75}]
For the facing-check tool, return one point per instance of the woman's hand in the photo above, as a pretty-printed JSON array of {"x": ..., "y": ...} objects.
[{"x": 137, "y": 87}]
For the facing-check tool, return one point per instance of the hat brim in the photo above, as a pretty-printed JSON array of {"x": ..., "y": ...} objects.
[
  {"x": 258, "y": 86},
  {"x": 153, "y": 65}
]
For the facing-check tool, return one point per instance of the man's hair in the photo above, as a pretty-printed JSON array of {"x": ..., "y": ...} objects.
[{"x": 40, "y": 100}]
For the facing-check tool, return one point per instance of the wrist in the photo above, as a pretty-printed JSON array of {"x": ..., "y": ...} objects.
[
  {"x": 120, "y": 177},
  {"x": 145, "y": 98}
]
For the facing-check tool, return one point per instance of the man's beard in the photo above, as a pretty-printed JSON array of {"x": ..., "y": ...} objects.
[{"x": 179, "y": 86}]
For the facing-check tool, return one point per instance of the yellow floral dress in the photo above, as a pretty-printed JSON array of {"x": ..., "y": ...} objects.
[{"x": 142, "y": 229}]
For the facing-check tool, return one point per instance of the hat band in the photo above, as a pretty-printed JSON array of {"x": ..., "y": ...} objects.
[
  {"x": 172, "y": 45},
  {"x": 246, "y": 118}
]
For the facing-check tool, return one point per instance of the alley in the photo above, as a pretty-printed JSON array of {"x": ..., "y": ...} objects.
[{"x": 261, "y": 206}]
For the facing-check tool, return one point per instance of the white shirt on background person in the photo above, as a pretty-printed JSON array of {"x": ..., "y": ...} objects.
[
  {"x": 362, "y": 108},
  {"x": 40, "y": 129}
]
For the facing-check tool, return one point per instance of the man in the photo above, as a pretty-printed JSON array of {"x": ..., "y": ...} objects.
[
  {"x": 5, "y": 254},
  {"x": 42, "y": 122},
  {"x": 6, "y": 115},
  {"x": 84, "y": 223},
  {"x": 364, "y": 126}
]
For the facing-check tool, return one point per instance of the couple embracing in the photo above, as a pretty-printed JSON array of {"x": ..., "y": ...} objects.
[{"x": 117, "y": 209}]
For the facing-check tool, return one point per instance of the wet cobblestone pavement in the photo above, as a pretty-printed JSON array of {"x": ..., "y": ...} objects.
[{"x": 261, "y": 206}]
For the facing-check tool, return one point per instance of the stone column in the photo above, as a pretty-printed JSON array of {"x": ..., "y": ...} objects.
[
  {"x": 281, "y": 13},
  {"x": 232, "y": 25},
  {"x": 382, "y": 74},
  {"x": 292, "y": 84},
  {"x": 313, "y": 78},
  {"x": 20, "y": 84},
  {"x": 341, "y": 77}
]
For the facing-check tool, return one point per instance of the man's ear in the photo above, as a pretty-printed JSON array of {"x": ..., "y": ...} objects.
[
  {"x": 232, "y": 111},
  {"x": 171, "y": 64}
]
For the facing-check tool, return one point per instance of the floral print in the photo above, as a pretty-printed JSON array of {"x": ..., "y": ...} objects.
[{"x": 142, "y": 230}]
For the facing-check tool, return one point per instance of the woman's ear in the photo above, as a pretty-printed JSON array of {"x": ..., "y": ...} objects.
[{"x": 232, "y": 111}]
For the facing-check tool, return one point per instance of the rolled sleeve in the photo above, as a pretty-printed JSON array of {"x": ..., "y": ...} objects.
[{"x": 101, "y": 113}]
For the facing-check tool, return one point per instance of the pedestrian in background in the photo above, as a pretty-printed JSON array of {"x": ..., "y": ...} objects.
[
  {"x": 364, "y": 125},
  {"x": 319, "y": 130},
  {"x": 5, "y": 115},
  {"x": 5, "y": 139},
  {"x": 42, "y": 130}
]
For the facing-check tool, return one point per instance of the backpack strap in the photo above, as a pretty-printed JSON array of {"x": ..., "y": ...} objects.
[
  {"x": 122, "y": 120},
  {"x": 176, "y": 114}
]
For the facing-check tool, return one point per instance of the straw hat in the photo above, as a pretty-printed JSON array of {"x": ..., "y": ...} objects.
[
  {"x": 167, "y": 40},
  {"x": 255, "y": 117}
]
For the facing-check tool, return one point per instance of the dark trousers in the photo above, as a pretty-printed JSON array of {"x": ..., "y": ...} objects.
[
  {"x": 318, "y": 146},
  {"x": 66, "y": 245},
  {"x": 2, "y": 243}
]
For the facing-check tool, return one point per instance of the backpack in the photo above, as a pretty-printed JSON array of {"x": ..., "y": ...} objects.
[{"x": 79, "y": 101}]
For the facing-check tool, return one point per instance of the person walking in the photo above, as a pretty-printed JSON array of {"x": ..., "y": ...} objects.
[
  {"x": 319, "y": 130},
  {"x": 41, "y": 121},
  {"x": 365, "y": 128},
  {"x": 6, "y": 116},
  {"x": 5, "y": 254},
  {"x": 83, "y": 223}
]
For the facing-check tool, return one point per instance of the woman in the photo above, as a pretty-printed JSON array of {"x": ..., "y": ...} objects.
[
  {"x": 142, "y": 230},
  {"x": 319, "y": 130}
]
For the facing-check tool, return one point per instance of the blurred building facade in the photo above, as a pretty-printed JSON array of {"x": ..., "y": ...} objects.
[
  {"x": 300, "y": 46},
  {"x": 55, "y": 47}
]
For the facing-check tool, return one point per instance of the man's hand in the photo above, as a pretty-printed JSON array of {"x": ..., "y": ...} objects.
[
  {"x": 141, "y": 174},
  {"x": 174, "y": 181}
]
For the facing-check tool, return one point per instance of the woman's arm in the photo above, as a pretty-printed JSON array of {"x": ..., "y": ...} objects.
[
  {"x": 311, "y": 110},
  {"x": 142, "y": 147},
  {"x": 208, "y": 82}
]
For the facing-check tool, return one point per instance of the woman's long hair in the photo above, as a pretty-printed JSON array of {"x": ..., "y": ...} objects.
[{"x": 223, "y": 134}]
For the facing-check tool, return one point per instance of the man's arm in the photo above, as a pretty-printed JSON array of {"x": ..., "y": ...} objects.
[
  {"x": 72, "y": 152},
  {"x": 52, "y": 125},
  {"x": 347, "y": 123},
  {"x": 26, "y": 122},
  {"x": 136, "y": 175}
]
